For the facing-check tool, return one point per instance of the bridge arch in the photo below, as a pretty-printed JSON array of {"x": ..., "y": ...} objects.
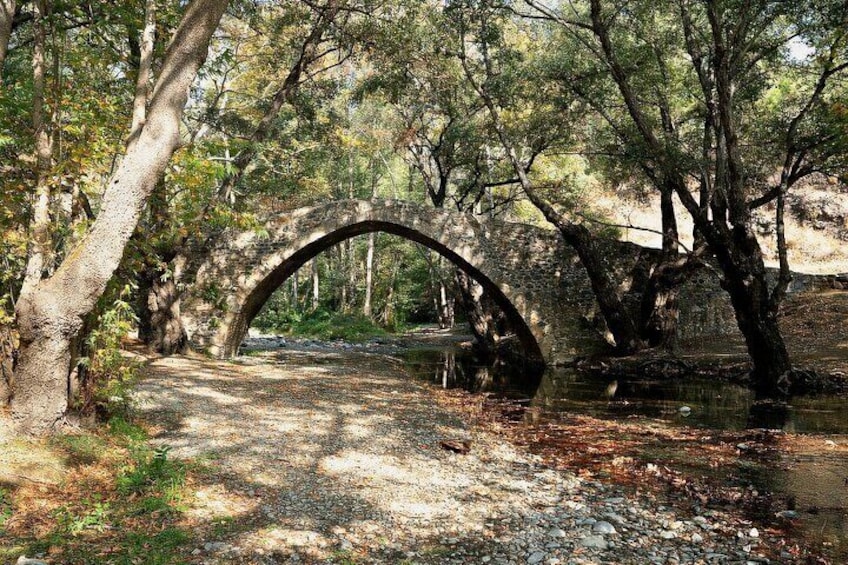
[{"x": 534, "y": 278}]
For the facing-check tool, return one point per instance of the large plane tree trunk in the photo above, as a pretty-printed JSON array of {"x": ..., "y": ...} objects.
[{"x": 50, "y": 313}]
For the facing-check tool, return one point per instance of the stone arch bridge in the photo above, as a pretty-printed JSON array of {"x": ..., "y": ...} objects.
[
  {"x": 533, "y": 276},
  {"x": 530, "y": 273}
]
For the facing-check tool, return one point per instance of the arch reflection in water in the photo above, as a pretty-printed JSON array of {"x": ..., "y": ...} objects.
[{"x": 456, "y": 368}]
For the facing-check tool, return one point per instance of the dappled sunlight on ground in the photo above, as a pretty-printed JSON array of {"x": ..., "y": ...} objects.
[{"x": 311, "y": 456}]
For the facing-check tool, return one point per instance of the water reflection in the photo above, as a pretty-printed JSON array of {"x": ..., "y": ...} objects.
[
  {"x": 815, "y": 485},
  {"x": 691, "y": 401}
]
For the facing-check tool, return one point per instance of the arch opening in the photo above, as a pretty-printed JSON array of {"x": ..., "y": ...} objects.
[{"x": 262, "y": 291}]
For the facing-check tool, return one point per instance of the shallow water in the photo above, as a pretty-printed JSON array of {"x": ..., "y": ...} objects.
[
  {"x": 690, "y": 401},
  {"x": 815, "y": 485}
]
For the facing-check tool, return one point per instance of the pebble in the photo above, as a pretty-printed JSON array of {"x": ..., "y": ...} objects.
[
  {"x": 594, "y": 542},
  {"x": 603, "y": 527},
  {"x": 536, "y": 557}
]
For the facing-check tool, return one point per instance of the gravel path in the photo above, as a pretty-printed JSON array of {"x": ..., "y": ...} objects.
[{"x": 323, "y": 459}]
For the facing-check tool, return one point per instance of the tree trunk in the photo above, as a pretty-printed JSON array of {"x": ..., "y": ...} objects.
[
  {"x": 41, "y": 393},
  {"x": 7, "y": 364},
  {"x": 446, "y": 307},
  {"x": 7, "y": 14},
  {"x": 144, "y": 281},
  {"x": 483, "y": 318},
  {"x": 168, "y": 334},
  {"x": 40, "y": 250},
  {"x": 295, "y": 299},
  {"x": 659, "y": 306},
  {"x": 143, "y": 76},
  {"x": 315, "y": 285},
  {"x": 618, "y": 320},
  {"x": 369, "y": 265},
  {"x": 50, "y": 313}
]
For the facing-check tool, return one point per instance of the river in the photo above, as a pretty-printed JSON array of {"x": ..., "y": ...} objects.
[{"x": 812, "y": 483}]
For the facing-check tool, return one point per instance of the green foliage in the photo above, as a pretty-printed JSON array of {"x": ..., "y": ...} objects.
[
  {"x": 82, "y": 449},
  {"x": 96, "y": 519},
  {"x": 154, "y": 474},
  {"x": 126, "y": 431},
  {"x": 161, "y": 548},
  {"x": 108, "y": 374},
  {"x": 322, "y": 324}
]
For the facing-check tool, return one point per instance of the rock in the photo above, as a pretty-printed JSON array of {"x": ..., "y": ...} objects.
[
  {"x": 685, "y": 411},
  {"x": 754, "y": 533},
  {"x": 24, "y": 560},
  {"x": 696, "y": 538},
  {"x": 613, "y": 517},
  {"x": 587, "y": 522},
  {"x": 787, "y": 514},
  {"x": 535, "y": 557},
  {"x": 556, "y": 533},
  {"x": 215, "y": 546},
  {"x": 667, "y": 534},
  {"x": 593, "y": 542},
  {"x": 603, "y": 527}
]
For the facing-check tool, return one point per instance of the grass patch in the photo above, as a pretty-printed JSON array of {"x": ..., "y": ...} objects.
[
  {"x": 5, "y": 506},
  {"x": 325, "y": 325},
  {"x": 119, "y": 501},
  {"x": 80, "y": 449}
]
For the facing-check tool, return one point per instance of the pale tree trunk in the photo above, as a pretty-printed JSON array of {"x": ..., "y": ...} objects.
[
  {"x": 343, "y": 285},
  {"x": 7, "y": 14},
  {"x": 50, "y": 313},
  {"x": 350, "y": 279},
  {"x": 369, "y": 265},
  {"x": 446, "y": 309},
  {"x": 142, "y": 81},
  {"x": 40, "y": 245},
  {"x": 316, "y": 288},
  {"x": 295, "y": 283}
]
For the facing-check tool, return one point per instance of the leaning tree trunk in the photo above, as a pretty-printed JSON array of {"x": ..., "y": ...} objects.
[
  {"x": 487, "y": 322},
  {"x": 50, "y": 313}
]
